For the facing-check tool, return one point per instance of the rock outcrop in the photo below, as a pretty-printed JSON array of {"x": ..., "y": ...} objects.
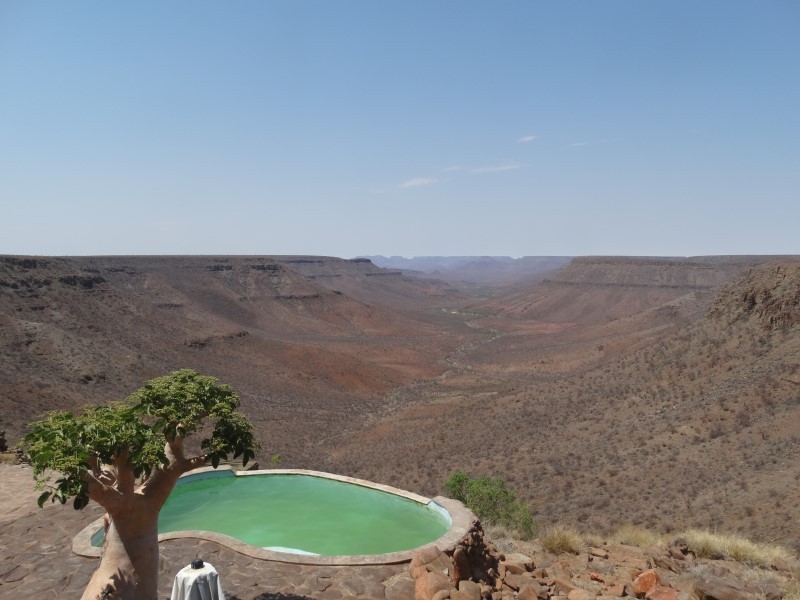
[
  {"x": 769, "y": 294},
  {"x": 475, "y": 570}
]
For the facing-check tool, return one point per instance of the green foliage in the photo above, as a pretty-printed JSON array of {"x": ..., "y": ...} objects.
[
  {"x": 274, "y": 460},
  {"x": 456, "y": 486},
  {"x": 492, "y": 501},
  {"x": 138, "y": 429}
]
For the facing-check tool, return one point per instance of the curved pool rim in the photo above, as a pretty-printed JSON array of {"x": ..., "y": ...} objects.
[{"x": 461, "y": 520}]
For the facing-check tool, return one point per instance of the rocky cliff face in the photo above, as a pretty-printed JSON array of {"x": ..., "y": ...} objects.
[{"x": 769, "y": 295}]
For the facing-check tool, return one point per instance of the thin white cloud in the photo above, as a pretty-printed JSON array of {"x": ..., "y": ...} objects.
[
  {"x": 508, "y": 166},
  {"x": 527, "y": 138},
  {"x": 453, "y": 168},
  {"x": 418, "y": 182},
  {"x": 592, "y": 143}
]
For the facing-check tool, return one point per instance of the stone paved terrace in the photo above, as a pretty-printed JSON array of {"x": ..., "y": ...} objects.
[{"x": 36, "y": 560}]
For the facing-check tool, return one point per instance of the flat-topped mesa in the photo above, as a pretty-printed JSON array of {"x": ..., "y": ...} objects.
[
  {"x": 595, "y": 289},
  {"x": 652, "y": 272},
  {"x": 315, "y": 267}
]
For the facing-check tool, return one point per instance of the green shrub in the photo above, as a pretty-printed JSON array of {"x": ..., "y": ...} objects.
[
  {"x": 456, "y": 486},
  {"x": 492, "y": 501}
]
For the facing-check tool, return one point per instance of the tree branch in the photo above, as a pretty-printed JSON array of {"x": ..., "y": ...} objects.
[
  {"x": 104, "y": 476},
  {"x": 195, "y": 463},
  {"x": 174, "y": 449},
  {"x": 94, "y": 463},
  {"x": 161, "y": 482},
  {"x": 105, "y": 495},
  {"x": 176, "y": 452},
  {"x": 126, "y": 480}
]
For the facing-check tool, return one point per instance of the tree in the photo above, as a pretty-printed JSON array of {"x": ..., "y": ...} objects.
[
  {"x": 127, "y": 457},
  {"x": 492, "y": 501}
]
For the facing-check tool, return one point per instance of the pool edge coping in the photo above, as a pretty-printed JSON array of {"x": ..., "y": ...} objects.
[{"x": 461, "y": 521}]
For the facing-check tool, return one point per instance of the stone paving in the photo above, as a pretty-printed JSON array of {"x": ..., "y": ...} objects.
[{"x": 36, "y": 559}]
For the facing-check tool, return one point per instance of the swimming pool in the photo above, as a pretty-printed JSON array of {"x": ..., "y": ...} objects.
[{"x": 306, "y": 516}]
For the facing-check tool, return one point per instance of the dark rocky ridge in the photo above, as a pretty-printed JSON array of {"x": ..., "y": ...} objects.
[{"x": 770, "y": 296}]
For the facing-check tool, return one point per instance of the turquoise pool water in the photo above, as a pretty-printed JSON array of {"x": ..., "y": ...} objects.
[{"x": 301, "y": 513}]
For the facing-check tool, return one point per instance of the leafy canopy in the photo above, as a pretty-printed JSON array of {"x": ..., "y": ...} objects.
[
  {"x": 492, "y": 501},
  {"x": 136, "y": 432}
]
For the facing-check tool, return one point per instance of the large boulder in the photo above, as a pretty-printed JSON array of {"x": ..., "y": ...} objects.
[
  {"x": 427, "y": 586},
  {"x": 644, "y": 582}
]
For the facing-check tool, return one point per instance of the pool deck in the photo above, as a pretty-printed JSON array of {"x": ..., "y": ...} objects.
[{"x": 36, "y": 560}]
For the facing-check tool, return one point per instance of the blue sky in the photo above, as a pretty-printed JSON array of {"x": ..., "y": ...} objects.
[{"x": 400, "y": 128}]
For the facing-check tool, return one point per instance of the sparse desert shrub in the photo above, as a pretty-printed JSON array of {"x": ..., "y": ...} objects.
[
  {"x": 492, "y": 501},
  {"x": 592, "y": 538},
  {"x": 636, "y": 536},
  {"x": 8, "y": 458},
  {"x": 560, "y": 540},
  {"x": 706, "y": 544}
]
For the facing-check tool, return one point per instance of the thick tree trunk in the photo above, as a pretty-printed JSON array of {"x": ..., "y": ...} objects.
[
  {"x": 129, "y": 561},
  {"x": 129, "y": 564}
]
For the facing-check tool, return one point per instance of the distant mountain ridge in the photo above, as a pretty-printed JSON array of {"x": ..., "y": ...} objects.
[{"x": 476, "y": 269}]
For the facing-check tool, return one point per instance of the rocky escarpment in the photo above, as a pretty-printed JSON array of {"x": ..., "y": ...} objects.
[
  {"x": 678, "y": 273},
  {"x": 30, "y": 277},
  {"x": 360, "y": 278},
  {"x": 770, "y": 295},
  {"x": 597, "y": 289}
]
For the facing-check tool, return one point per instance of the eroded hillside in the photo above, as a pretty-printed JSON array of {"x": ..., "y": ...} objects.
[
  {"x": 686, "y": 414},
  {"x": 304, "y": 357},
  {"x": 620, "y": 390}
]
